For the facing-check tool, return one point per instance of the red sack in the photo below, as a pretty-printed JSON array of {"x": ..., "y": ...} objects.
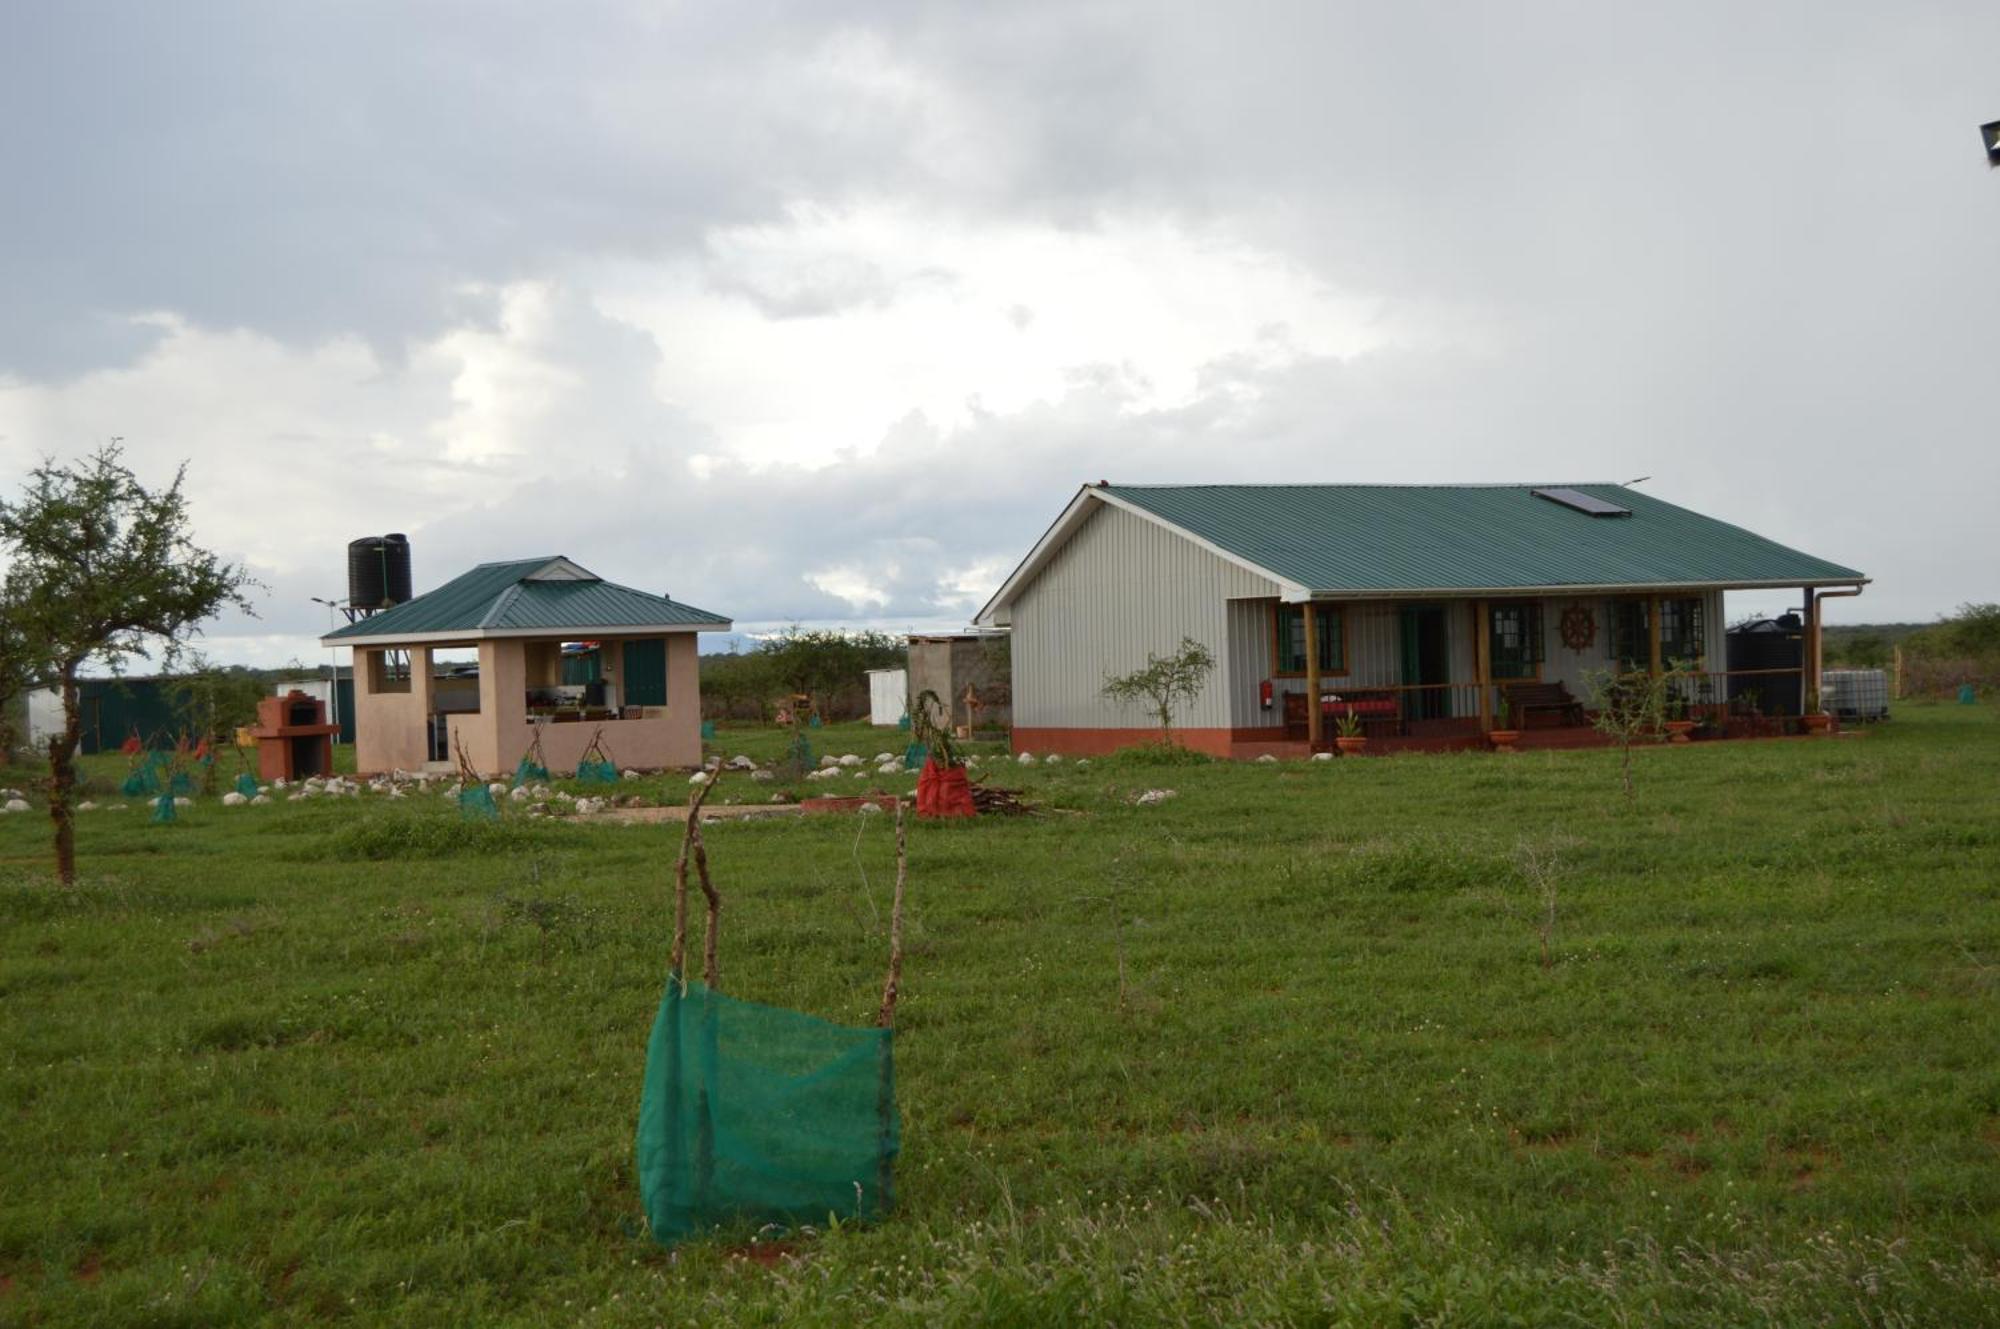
[
  {"x": 944, "y": 792},
  {"x": 132, "y": 747}
]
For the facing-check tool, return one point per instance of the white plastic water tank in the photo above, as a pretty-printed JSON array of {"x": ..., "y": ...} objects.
[{"x": 1855, "y": 694}]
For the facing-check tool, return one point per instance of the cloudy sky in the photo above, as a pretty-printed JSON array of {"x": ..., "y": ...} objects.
[{"x": 819, "y": 312}]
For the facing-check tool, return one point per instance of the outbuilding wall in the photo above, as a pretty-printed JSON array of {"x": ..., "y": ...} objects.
[{"x": 1119, "y": 588}]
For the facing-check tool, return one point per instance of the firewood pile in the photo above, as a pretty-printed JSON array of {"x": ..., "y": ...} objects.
[{"x": 992, "y": 801}]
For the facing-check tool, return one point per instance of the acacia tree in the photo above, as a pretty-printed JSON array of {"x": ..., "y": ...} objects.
[
  {"x": 1165, "y": 683},
  {"x": 1630, "y": 706},
  {"x": 19, "y": 675},
  {"x": 101, "y": 568}
]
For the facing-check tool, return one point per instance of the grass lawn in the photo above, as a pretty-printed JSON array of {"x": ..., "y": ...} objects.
[{"x": 1281, "y": 1049}]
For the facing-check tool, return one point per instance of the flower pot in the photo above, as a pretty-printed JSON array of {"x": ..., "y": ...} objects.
[
  {"x": 1678, "y": 730},
  {"x": 1502, "y": 739},
  {"x": 1351, "y": 746},
  {"x": 1818, "y": 723}
]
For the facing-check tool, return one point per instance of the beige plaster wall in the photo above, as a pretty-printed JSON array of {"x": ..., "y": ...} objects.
[
  {"x": 391, "y": 728},
  {"x": 665, "y": 736}
]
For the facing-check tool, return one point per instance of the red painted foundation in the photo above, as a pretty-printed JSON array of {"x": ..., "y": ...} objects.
[{"x": 1250, "y": 744}]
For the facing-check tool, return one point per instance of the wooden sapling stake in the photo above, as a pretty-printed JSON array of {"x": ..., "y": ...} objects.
[
  {"x": 711, "y": 973},
  {"x": 885, "y": 1018},
  {"x": 690, "y": 837}
]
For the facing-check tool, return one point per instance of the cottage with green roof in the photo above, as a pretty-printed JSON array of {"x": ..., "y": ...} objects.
[
  {"x": 1421, "y": 610},
  {"x": 519, "y": 615}
]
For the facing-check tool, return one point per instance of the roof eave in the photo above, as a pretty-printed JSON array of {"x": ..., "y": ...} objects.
[
  {"x": 578, "y": 633},
  {"x": 1578, "y": 588}
]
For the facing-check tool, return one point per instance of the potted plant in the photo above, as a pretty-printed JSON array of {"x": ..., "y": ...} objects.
[
  {"x": 1816, "y": 720},
  {"x": 1347, "y": 733},
  {"x": 1676, "y": 723},
  {"x": 1503, "y": 734}
]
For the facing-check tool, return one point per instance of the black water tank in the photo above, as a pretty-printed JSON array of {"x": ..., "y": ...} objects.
[
  {"x": 367, "y": 565},
  {"x": 396, "y": 568},
  {"x": 1774, "y": 644}
]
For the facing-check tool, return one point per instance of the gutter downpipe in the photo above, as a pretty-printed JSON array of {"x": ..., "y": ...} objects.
[{"x": 1819, "y": 633}]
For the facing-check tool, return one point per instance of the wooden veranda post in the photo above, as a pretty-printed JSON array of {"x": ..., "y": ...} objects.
[
  {"x": 1653, "y": 634},
  {"x": 1314, "y": 722},
  {"x": 1482, "y": 662}
]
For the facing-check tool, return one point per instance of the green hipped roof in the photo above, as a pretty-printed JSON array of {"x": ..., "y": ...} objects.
[
  {"x": 526, "y": 596},
  {"x": 1384, "y": 538}
]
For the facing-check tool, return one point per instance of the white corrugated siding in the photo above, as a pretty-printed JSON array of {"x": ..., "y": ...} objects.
[{"x": 1121, "y": 587}]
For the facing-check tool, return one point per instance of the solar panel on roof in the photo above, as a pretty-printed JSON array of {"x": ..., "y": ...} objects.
[{"x": 1582, "y": 502}]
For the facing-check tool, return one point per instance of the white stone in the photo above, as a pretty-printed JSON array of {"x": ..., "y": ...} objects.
[
  {"x": 1322, "y": 756},
  {"x": 1267, "y": 757},
  {"x": 86, "y": 806},
  {"x": 829, "y": 760},
  {"x": 762, "y": 775},
  {"x": 518, "y": 795},
  {"x": 699, "y": 777},
  {"x": 17, "y": 805},
  {"x": 882, "y": 757},
  {"x": 497, "y": 788},
  {"x": 183, "y": 802},
  {"x": 260, "y": 800},
  {"x": 1152, "y": 796},
  {"x": 232, "y": 799},
  {"x": 740, "y": 762},
  {"x": 628, "y": 775},
  {"x": 871, "y": 807},
  {"x": 1083, "y": 761},
  {"x": 1052, "y": 759},
  {"x": 850, "y": 759},
  {"x": 1026, "y": 759},
  {"x": 278, "y": 784}
]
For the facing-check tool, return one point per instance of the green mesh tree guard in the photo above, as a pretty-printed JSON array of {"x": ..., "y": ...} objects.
[
  {"x": 164, "y": 809},
  {"x": 246, "y": 785},
  {"x": 754, "y": 1115},
  {"x": 528, "y": 769},
  {"x": 475, "y": 803},
  {"x": 144, "y": 778},
  {"x": 915, "y": 755},
  {"x": 599, "y": 771},
  {"x": 182, "y": 783}
]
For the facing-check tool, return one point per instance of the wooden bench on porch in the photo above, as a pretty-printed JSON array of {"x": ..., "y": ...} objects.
[
  {"x": 1378, "y": 711},
  {"x": 1525, "y": 699}
]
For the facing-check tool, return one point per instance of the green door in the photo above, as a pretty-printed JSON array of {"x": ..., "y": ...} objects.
[
  {"x": 645, "y": 674},
  {"x": 1425, "y": 660}
]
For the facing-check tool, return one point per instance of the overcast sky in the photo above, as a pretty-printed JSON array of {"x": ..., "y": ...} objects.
[{"x": 821, "y": 311}]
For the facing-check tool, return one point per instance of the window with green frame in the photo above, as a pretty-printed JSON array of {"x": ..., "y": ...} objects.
[
  {"x": 1290, "y": 631},
  {"x": 1682, "y": 632},
  {"x": 1631, "y": 636},
  {"x": 646, "y": 672},
  {"x": 1516, "y": 639}
]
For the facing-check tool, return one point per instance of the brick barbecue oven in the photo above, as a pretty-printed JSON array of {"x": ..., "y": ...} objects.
[{"x": 293, "y": 738}]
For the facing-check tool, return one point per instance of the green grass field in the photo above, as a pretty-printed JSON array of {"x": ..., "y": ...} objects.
[{"x": 1280, "y": 1050}]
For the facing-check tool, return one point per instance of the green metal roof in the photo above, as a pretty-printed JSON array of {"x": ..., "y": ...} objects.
[
  {"x": 1333, "y": 539},
  {"x": 527, "y": 596}
]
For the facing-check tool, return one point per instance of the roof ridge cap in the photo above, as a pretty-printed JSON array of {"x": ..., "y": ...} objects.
[{"x": 500, "y": 603}]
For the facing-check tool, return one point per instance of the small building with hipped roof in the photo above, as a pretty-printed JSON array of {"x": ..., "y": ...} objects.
[{"x": 643, "y": 707}]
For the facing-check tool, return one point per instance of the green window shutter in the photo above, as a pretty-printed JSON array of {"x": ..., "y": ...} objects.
[{"x": 646, "y": 672}]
